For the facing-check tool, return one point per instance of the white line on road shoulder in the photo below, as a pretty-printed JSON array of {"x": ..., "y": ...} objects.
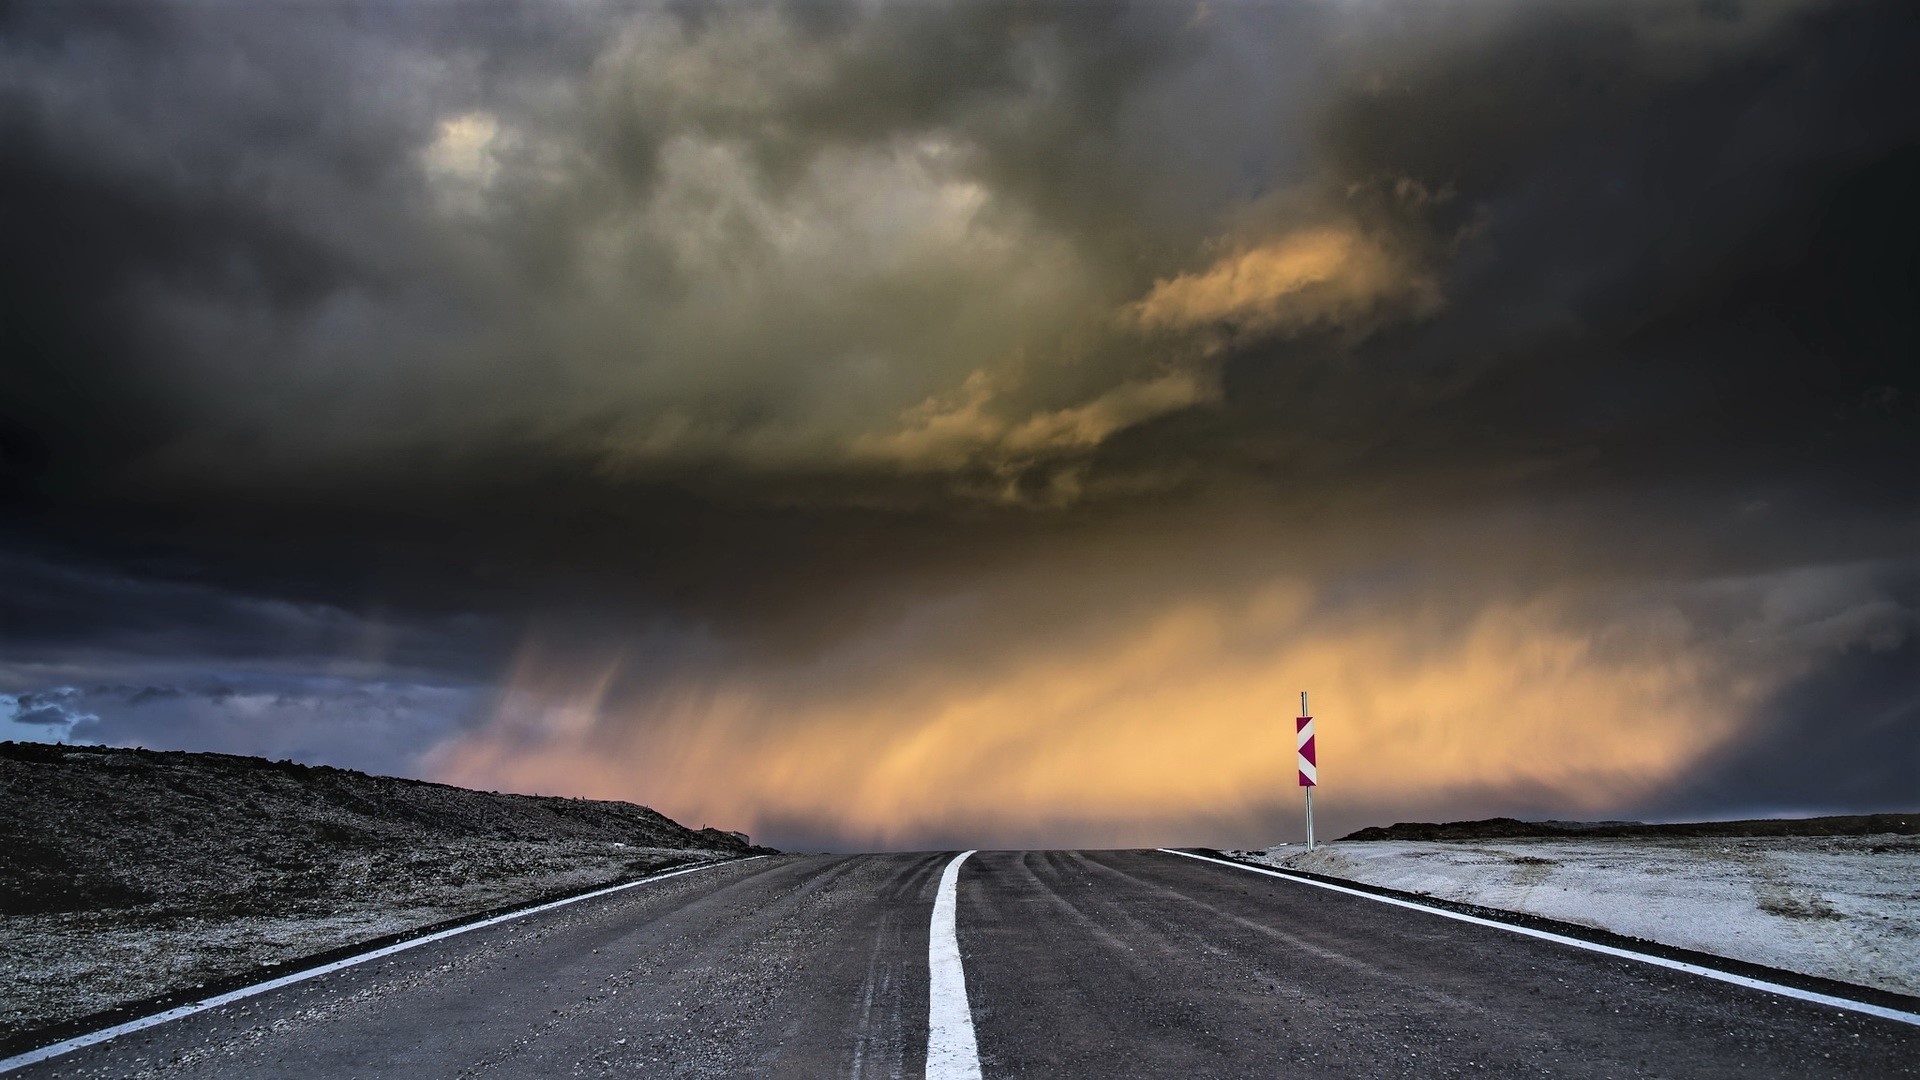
[
  {"x": 952, "y": 1053},
  {"x": 1591, "y": 946},
  {"x": 42, "y": 1054}
]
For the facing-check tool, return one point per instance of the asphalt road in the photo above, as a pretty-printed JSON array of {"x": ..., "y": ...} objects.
[{"x": 1077, "y": 964}]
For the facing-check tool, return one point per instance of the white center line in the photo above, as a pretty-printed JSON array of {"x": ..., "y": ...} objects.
[
  {"x": 1591, "y": 946},
  {"x": 952, "y": 1053}
]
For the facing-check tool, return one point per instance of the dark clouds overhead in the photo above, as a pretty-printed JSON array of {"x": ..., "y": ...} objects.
[{"x": 351, "y": 349}]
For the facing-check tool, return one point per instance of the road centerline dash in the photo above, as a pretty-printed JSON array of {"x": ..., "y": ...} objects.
[{"x": 952, "y": 1051}]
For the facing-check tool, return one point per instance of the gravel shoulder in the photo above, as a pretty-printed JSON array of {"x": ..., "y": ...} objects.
[
  {"x": 1845, "y": 908},
  {"x": 126, "y": 874}
]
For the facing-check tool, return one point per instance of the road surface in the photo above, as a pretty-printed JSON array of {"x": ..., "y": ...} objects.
[{"x": 1075, "y": 964}]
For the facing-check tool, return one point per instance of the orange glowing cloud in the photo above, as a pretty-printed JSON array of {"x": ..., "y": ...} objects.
[
  {"x": 1330, "y": 276},
  {"x": 1179, "y": 714},
  {"x": 980, "y": 423},
  {"x": 1314, "y": 277}
]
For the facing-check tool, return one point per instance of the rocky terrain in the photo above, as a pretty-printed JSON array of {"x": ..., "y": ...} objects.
[
  {"x": 129, "y": 874},
  {"x": 1513, "y": 828}
]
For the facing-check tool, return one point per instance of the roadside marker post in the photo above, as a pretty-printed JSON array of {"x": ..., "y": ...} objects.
[{"x": 1309, "y": 763}]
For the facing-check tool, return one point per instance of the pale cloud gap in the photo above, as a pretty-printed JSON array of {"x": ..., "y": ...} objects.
[{"x": 462, "y": 161}]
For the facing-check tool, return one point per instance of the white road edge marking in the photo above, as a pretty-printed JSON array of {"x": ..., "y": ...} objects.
[
  {"x": 952, "y": 1053},
  {"x": 42, "y": 1054},
  {"x": 1848, "y": 1004}
]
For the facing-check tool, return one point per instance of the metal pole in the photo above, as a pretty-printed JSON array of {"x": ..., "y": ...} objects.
[{"x": 1304, "y": 712}]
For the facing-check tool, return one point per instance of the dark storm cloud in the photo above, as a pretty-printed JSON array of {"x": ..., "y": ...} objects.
[
  {"x": 215, "y": 216},
  {"x": 1666, "y": 276},
  {"x": 231, "y": 670},
  {"x": 59, "y": 617},
  {"x": 41, "y": 716},
  {"x": 1847, "y": 739},
  {"x": 344, "y": 721},
  {"x": 377, "y": 335},
  {"x": 1845, "y": 736},
  {"x": 49, "y": 715}
]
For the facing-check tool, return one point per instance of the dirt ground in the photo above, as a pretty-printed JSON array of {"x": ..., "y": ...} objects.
[{"x": 127, "y": 874}]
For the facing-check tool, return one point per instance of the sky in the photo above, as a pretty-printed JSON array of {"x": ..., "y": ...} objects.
[{"x": 897, "y": 425}]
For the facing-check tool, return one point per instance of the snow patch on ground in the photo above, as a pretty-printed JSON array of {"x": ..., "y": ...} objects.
[{"x": 1845, "y": 908}]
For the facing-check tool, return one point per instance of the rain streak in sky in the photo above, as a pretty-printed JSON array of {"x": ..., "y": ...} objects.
[{"x": 915, "y": 424}]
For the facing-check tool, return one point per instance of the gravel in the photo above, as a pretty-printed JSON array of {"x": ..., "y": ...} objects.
[{"x": 128, "y": 874}]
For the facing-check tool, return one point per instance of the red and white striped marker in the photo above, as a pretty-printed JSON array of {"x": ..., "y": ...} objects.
[
  {"x": 1303, "y": 739},
  {"x": 1309, "y": 762}
]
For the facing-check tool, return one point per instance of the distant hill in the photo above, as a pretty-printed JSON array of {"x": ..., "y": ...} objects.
[
  {"x": 127, "y": 876},
  {"x": 1512, "y": 828},
  {"x": 92, "y": 827}
]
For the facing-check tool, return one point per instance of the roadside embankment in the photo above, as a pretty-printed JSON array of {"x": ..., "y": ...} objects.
[{"x": 126, "y": 874}]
